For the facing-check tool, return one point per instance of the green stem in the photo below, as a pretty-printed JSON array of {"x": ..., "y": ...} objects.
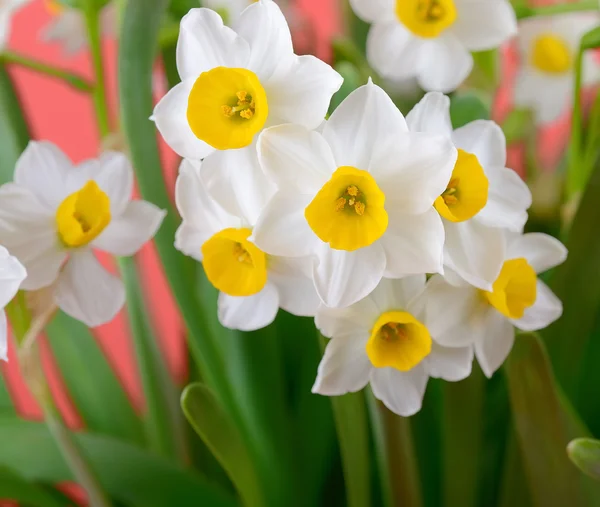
[
  {"x": 523, "y": 11},
  {"x": 73, "y": 80},
  {"x": 92, "y": 19},
  {"x": 575, "y": 171}
]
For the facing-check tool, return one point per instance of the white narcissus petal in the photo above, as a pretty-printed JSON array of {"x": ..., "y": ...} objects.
[
  {"x": 264, "y": 28},
  {"x": 482, "y": 25},
  {"x": 43, "y": 169},
  {"x": 485, "y": 140},
  {"x": 413, "y": 244},
  {"x": 12, "y": 274},
  {"x": 392, "y": 295},
  {"x": 39, "y": 249},
  {"x": 540, "y": 250},
  {"x": 449, "y": 363},
  {"x": 205, "y": 43},
  {"x": 394, "y": 52},
  {"x": 170, "y": 116},
  {"x": 474, "y": 251},
  {"x": 413, "y": 170},
  {"x": 128, "y": 232},
  {"x": 3, "y": 333},
  {"x": 448, "y": 64},
  {"x": 113, "y": 174},
  {"x": 546, "y": 309},
  {"x": 345, "y": 366},
  {"x": 366, "y": 120},
  {"x": 454, "y": 315},
  {"x": 236, "y": 181},
  {"x": 431, "y": 115},
  {"x": 342, "y": 278},
  {"x": 548, "y": 96},
  {"x": 282, "y": 229},
  {"x": 400, "y": 391},
  {"x": 249, "y": 313},
  {"x": 295, "y": 158},
  {"x": 69, "y": 29},
  {"x": 87, "y": 292},
  {"x": 291, "y": 277},
  {"x": 202, "y": 215},
  {"x": 347, "y": 322},
  {"x": 493, "y": 347},
  {"x": 509, "y": 198},
  {"x": 374, "y": 10},
  {"x": 301, "y": 95}
]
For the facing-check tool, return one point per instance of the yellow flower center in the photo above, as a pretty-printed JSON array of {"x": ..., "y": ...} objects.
[
  {"x": 227, "y": 107},
  {"x": 348, "y": 212},
  {"x": 426, "y": 18},
  {"x": 514, "y": 290},
  {"x": 551, "y": 54},
  {"x": 54, "y": 7},
  {"x": 233, "y": 264},
  {"x": 467, "y": 191},
  {"x": 83, "y": 215},
  {"x": 398, "y": 340}
]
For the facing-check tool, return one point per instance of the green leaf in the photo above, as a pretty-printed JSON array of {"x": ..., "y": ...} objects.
[
  {"x": 351, "y": 424},
  {"x": 129, "y": 474},
  {"x": 6, "y": 404},
  {"x": 462, "y": 438},
  {"x": 395, "y": 454},
  {"x": 216, "y": 429},
  {"x": 541, "y": 428},
  {"x": 514, "y": 490},
  {"x": 14, "y": 134},
  {"x": 585, "y": 453},
  {"x": 517, "y": 125},
  {"x": 577, "y": 284},
  {"x": 14, "y": 487},
  {"x": 467, "y": 107},
  {"x": 91, "y": 382},
  {"x": 591, "y": 39},
  {"x": 163, "y": 420}
]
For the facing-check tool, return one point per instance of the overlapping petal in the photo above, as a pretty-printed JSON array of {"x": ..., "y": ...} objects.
[{"x": 249, "y": 313}]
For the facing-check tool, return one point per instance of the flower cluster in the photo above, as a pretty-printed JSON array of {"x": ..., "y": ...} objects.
[{"x": 401, "y": 236}]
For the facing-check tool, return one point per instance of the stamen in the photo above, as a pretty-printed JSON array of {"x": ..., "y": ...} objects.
[
  {"x": 352, "y": 190},
  {"x": 227, "y": 110},
  {"x": 246, "y": 114},
  {"x": 351, "y": 197},
  {"x": 241, "y": 254},
  {"x": 340, "y": 204},
  {"x": 450, "y": 199},
  {"x": 245, "y": 106},
  {"x": 359, "y": 207},
  {"x": 241, "y": 95}
]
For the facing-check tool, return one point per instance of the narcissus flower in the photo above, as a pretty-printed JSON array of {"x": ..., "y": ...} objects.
[
  {"x": 548, "y": 47},
  {"x": 383, "y": 340},
  {"x": 482, "y": 196},
  {"x": 431, "y": 39},
  {"x": 12, "y": 273},
  {"x": 464, "y": 315},
  {"x": 359, "y": 196},
  {"x": 68, "y": 26},
  {"x": 252, "y": 284},
  {"x": 55, "y": 214},
  {"x": 234, "y": 85},
  {"x": 7, "y": 10}
]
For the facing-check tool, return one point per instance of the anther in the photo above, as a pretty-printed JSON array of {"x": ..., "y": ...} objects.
[
  {"x": 241, "y": 95},
  {"x": 227, "y": 110},
  {"x": 246, "y": 114},
  {"x": 359, "y": 207},
  {"x": 352, "y": 190},
  {"x": 340, "y": 204}
]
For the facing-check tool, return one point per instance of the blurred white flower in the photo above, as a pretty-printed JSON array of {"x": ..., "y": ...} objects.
[
  {"x": 68, "y": 27},
  {"x": 385, "y": 341},
  {"x": 253, "y": 285},
  {"x": 12, "y": 274},
  {"x": 359, "y": 196},
  {"x": 431, "y": 39},
  {"x": 548, "y": 47},
  {"x": 7, "y": 10},
  {"x": 55, "y": 214},
  {"x": 234, "y": 85},
  {"x": 482, "y": 195},
  {"x": 461, "y": 315}
]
